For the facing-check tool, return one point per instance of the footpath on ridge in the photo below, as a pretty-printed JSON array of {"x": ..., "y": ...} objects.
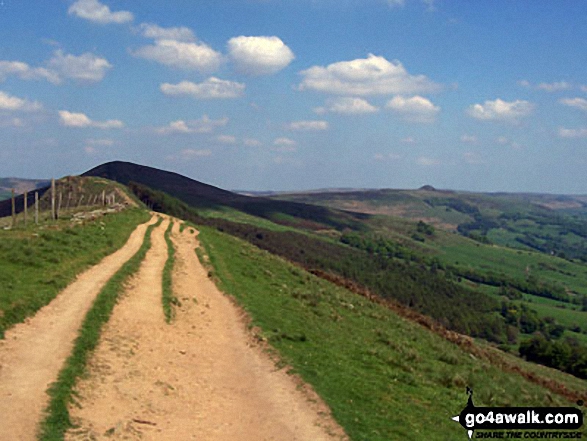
[
  {"x": 33, "y": 352},
  {"x": 200, "y": 377}
]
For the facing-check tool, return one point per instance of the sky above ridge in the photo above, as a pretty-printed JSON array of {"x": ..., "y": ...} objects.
[{"x": 489, "y": 95}]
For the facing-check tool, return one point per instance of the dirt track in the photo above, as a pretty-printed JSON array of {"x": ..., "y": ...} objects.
[
  {"x": 32, "y": 353},
  {"x": 198, "y": 378}
]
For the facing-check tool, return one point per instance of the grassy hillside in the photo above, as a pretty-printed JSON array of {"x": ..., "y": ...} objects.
[
  {"x": 37, "y": 262},
  {"x": 552, "y": 224},
  {"x": 476, "y": 301},
  {"x": 384, "y": 378}
]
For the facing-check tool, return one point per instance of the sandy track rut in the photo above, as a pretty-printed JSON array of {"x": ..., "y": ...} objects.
[
  {"x": 32, "y": 353},
  {"x": 198, "y": 378}
]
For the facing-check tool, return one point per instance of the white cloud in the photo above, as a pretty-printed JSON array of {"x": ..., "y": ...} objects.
[
  {"x": 426, "y": 161},
  {"x": 366, "y": 76},
  {"x": 11, "y": 122},
  {"x": 86, "y": 67},
  {"x": 500, "y": 110},
  {"x": 578, "y": 103},
  {"x": 25, "y": 72},
  {"x": 583, "y": 88},
  {"x": 547, "y": 87},
  {"x": 226, "y": 139},
  {"x": 284, "y": 145},
  {"x": 181, "y": 55},
  {"x": 416, "y": 108},
  {"x": 80, "y": 120},
  {"x": 572, "y": 133},
  {"x": 469, "y": 139},
  {"x": 409, "y": 140},
  {"x": 156, "y": 32},
  {"x": 95, "y": 11},
  {"x": 202, "y": 125},
  {"x": 259, "y": 55},
  {"x": 252, "y": 142},
  {"x": 394, "y": 3},
  {"x": 554, "y": 87},
  {"x": 347, "y": 106},
  {"x": 13, "y": 103},
  {"x": 212, "y": 88},
  {"x": 193, "y": 153},
  {"x": 308, "y": 125}
]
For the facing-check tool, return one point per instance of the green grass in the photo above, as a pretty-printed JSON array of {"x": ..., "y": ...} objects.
[
  {"x": 37, "y": 262},
  {"x": 168, "y": 298},
  {"x": 57, "y": 419},
  {"x": 383, "y": 377}
]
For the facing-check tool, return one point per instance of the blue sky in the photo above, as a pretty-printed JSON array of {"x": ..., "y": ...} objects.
[{"x": 285, "y": 95}]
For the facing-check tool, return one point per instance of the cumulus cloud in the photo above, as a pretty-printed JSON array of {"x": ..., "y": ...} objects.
[
  {"x": 259, "y": 55},
  {"x": 308, "y": 125},
  {"x": 156, "y": 32},
  {"x": 578, "y": 103},
  {"x": 202, "y": 125},
  {"x": 12, "y": 103},
  {"x": 547, "y": 87},
  {"x": 284, "y": 145},
  {"x": 416, "y": 108},
  {"x": 469, "y": 139},
  {"x": 583, "y": 88},
  {"x": 86, "y": 67},
  {"x": 347, "y": 106},
  {"x": 97, "y": 12},
  {"x": 386, "y": 157},
  {"x": 26, "y": 72},
  {"x": 500, "y": 110},
  {"x": 373, "y": 75},
  {"x": 81, "y": 120},
  {"x": 554, "y": 87},
  {"x": 226, "y": 139},
  {"x": 426, "y": 161},
  {"x": 212, "y": 88},
  {"x": 252, "y": 142},
  {"x": 181, "y": 54},
  {"x": 572, "y": 133},
  {"x": 192, "y": 153}
]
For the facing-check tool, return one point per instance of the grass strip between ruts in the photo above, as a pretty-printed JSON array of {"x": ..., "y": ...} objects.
[
  {"x": 168, "y": 298},
  {"x": 57, "y": 419}
]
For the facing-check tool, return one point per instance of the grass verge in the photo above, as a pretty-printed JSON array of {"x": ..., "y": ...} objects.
[
  {"x": 57, "y": 419},
  {"x": 168, "y": 298},
  {"x": 384, "y": 378},
  {"x": 37, "y": 262}
]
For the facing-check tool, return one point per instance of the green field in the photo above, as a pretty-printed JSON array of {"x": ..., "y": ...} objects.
[{"x": 39, "y": 261}]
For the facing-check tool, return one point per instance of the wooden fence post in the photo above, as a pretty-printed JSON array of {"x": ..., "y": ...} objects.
[
  {"x": 13, "y": 210},
  {"x": 36, "y": 207},
  {"x": 53, "y": 214},
  {"x": 59, "y": 205},
  {"x": 26, "y": 206}
]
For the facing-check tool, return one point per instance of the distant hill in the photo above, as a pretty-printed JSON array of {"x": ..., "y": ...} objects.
[
  {"x": 552, "y": 224},
  {"x": 19, "y": 185},
  {"x": 204, "y": 196}
]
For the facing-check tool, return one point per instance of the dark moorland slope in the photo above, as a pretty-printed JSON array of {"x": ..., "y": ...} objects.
[{"x": 200, "y": 195}]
